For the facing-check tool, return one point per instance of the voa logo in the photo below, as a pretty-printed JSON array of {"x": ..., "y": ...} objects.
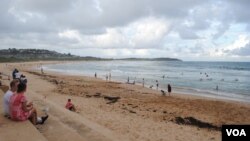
[{"x": 236, "y": 132}]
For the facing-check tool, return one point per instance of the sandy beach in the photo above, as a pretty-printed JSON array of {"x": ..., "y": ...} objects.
[{"x": 140, "y": 114}]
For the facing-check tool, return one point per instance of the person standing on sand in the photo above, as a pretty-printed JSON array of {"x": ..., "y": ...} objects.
[
  {"x": 169, "y": 89},
  {"x": 143, "y": 82},
  {"x": 217, "y": 88},
  {"x": 128, "y": 80},
  {"x": 95, "y": 75},
  {"x": 42, "y": 70},
  {"x": 157, "y": 84},
  {"x": 106, "y": 77},
  {"x": 110, "y": 76}
]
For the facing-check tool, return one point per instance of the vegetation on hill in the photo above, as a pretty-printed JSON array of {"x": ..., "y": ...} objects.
[{"x": 20, "y": 55}]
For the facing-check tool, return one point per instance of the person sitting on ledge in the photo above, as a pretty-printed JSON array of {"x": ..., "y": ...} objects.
[
  {"x": 21, "y": 110},
  {"x": 6, "y": 98},
  {"x": 70, "y": 106}
]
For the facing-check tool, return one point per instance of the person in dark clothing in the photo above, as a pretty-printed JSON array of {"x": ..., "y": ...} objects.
[
  {"x": 23, "y": 79},
  {"x": 157, "y": 84},
  {"x": 169, "y": 89},
  {"x": 14, "y": 73}
]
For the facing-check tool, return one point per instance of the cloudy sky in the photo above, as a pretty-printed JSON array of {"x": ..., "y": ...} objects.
[{"x": 197, "y": 30}]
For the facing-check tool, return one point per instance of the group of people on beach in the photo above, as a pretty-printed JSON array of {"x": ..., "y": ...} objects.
[
  {"x": 18, "y": 75},
  {"x": 169, "y": 88},
  {"x": 130, "y": 82},
  {"x": 15, "y": 103},
  {"x": 107, "y": 76},
  {"x": 17, "y": 108}
]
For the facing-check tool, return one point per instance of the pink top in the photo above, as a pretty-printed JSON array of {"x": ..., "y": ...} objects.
[
  {"x": 68, "y": 105},
  {"x": 16, "y": 111}
]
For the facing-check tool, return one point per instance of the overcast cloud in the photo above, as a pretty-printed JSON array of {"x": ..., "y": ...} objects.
[{"x": 212, "y": 30}]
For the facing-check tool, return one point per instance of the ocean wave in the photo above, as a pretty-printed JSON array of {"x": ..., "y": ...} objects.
[{"x": 234, "y": 68}]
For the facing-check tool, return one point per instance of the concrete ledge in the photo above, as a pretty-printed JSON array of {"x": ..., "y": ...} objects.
[{"x": 17, "y": 131}]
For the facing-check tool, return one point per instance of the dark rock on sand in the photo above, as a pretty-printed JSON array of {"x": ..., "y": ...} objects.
[{"x": 195, "y": 122}]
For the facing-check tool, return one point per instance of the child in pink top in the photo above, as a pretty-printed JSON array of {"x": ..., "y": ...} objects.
[{"x": 70, "y": 106}]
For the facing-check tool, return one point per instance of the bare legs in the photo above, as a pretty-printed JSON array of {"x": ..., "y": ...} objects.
[
  {"x": 72, "y": 108},
  {"x": 33, "y": 116}
]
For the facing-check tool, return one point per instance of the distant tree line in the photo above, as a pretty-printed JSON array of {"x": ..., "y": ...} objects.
[{"x": 20, "y": 55}]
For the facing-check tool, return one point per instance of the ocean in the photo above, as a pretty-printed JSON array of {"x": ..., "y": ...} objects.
[{"x": 196, "y": 78}]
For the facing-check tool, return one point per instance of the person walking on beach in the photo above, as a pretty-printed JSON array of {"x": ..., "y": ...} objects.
[
  {"x": 110, "y": 76},
  {"x": 106, "y": 77},
  {"x": 143, "y": 82},
  {"x": 42, "y": 70},
  {"x": 217, "y": 88},
  {"x": 95, "y": 75},
  {"x": 157, "y": 84},
  {"x": 128, "y": 80},
  {"x": 169, "y": 89}
]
